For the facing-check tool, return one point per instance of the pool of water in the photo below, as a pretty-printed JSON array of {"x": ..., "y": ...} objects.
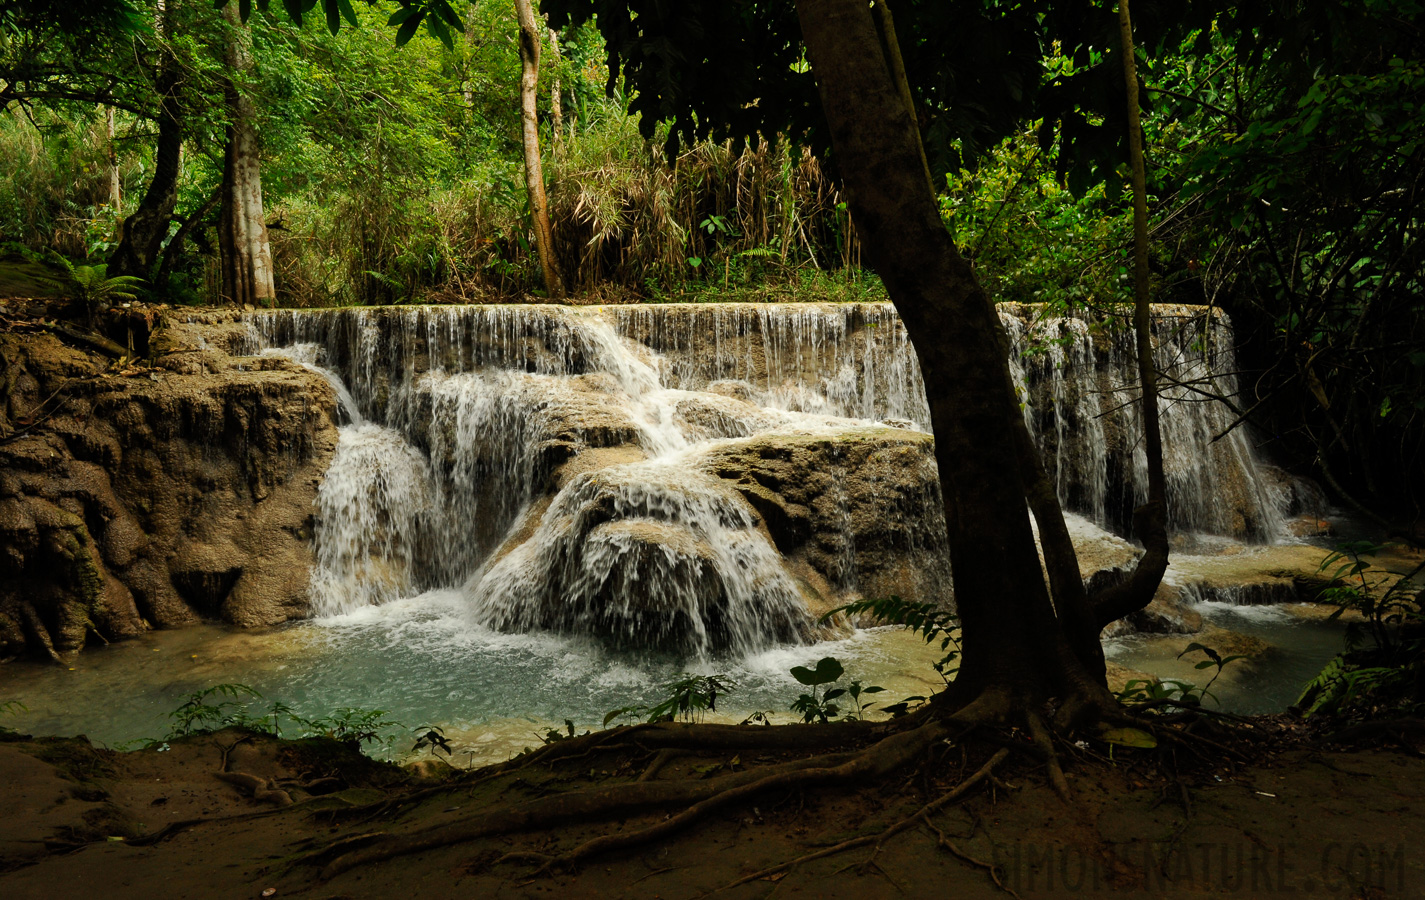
[
  {"x": 1296, "y": 649},
  {"x": 423, "y": 661}
]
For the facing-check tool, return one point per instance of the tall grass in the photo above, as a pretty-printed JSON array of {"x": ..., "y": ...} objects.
[
  {"x": 54, "y": 184},
  {"x": 629, "y": 224}
]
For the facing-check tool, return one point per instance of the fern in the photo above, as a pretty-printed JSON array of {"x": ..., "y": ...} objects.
[{"x": 926, "y": 619}]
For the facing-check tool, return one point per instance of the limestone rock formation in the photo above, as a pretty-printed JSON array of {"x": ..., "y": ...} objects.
[{"x": 136, "y": 496}]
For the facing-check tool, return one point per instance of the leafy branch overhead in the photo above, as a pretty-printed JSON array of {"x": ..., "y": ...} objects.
[{"x": 439, "y": 17}]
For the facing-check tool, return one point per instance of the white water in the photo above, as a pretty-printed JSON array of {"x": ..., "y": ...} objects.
[{"x": 461, "y": 417}]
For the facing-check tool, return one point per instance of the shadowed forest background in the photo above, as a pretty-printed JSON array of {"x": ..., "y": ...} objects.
[
  {"x": 1284, "y": 158},
  {"x": 288, "y": 343}
]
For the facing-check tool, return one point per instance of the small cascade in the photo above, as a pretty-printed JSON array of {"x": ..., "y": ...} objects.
[
  {"x": 650, "y": 555},
  {"x": 1080, "y": 385},
  {"x": 706, "y": 478}
]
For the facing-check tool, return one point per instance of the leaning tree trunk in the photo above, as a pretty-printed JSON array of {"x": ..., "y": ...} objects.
[
  {"x": 146, "y": 227},
  {"x": 242, "y": 230},
  {"x": 533, "y": 167},
  {"x": 1149, "y": 520},
  {"x": 1015, "y": 648}
]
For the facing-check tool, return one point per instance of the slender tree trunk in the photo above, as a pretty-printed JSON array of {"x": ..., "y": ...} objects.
[
  {"x": 242, "y": 230},
  {"x": 556, "y": 102},
  {"x": 533, "y": 167},
  {"x": 467, "y": 84},
  {"x": 116, "y": 199},
  {"x": 1015, "y": 650},
  {"x": 144, "y": 230},
  {"x": 1149, "y": 520}
]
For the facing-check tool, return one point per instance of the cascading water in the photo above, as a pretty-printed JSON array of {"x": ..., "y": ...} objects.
[{"x": 567, "y": 469}]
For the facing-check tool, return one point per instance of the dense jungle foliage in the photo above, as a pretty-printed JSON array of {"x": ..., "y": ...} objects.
[{"x": 1284, "y": 151}]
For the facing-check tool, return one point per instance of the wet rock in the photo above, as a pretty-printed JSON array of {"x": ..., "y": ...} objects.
[
  {"x": 140, "y": 496},
  {"x": 860, "y": 506}
]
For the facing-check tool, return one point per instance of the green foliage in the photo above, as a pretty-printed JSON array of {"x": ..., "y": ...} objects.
[
  {"x": 1170, "y": 694},
  {"x": 929, "y": 620},
  {"x": 11, "y": 708},
  {"x": 1382, "y": 669},
  {"x": 817, "y": 706},
  {"x": 230, "y": 706},
  {"x": 687, "y": 699},
  {"x": 90, "y": 287},
  {"x": 199, "y": 714},
  {"x": 432, "y": 736}
]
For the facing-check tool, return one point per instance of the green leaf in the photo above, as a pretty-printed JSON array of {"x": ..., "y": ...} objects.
[
  {"x": 1128, "y": 737},
  {"x": 826, "y": 671},
  {"x": 408, "y": 28}
]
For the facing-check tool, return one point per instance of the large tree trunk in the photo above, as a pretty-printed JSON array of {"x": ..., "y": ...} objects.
[
  {"x": 530, "y": 31},
  {"x": 144, "y": 230},
  {"x": 1015, "y": 649},
  {"x": 242, "y": 230}
]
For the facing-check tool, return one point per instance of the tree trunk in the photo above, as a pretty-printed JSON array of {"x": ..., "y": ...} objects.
[
  {"x": 467, "y": 84},
  {"x": 556, "y": 102},
  {"x": 242, "y": 230},
  {"x": 116, "y": 199},
  {"x": 1015, "y": 650},
  {"x": 533, "y": 168},
  {"x": 1149, "y": 520},
  {"x": 143, "y": 231}
]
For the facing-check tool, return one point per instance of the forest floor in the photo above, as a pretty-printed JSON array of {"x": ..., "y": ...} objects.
[{"x": 1296, "y": 818}]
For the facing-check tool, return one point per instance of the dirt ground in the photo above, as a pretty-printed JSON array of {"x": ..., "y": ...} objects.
[{"x": 79, "y": 821}]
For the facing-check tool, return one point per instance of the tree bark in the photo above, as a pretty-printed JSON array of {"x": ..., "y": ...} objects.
[
  {"x": 556, "y": 102},
  {"x": 1014, "y": 647},
  {"x": 146, "y": 227},
  {"x": 242, "y": 230},
  {"x": 529, "y": 41},
  {"x": 116, "y": 198},
  {"x": 1148, "y": 520}
]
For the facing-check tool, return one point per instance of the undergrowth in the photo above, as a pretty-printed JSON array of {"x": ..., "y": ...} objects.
[{"x": 1381, "y": 671}]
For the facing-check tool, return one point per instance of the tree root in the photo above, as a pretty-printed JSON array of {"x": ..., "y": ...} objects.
[
  {"x": 983, "y": 773},
  {"x": 1040, "y": 734},
  {"x": 991, "y": 868},
  {"x": 636, "y": 797}
]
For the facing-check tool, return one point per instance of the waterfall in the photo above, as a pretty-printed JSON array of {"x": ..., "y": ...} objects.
[{"x": 632, "y": 471}]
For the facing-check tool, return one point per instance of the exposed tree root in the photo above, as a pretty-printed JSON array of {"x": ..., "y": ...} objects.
[
  {"x": 1040, "y": 734},
  {"x": 982, "y": 774},
  {"x": 700, "y": 798},
  {"x": 947, "y": 844}
]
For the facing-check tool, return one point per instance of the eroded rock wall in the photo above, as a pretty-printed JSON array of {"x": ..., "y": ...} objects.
[{"x": 152, "y": 494}]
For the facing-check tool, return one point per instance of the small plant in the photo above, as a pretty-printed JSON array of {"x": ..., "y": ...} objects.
[
  {"x": 554, "y": 734},
  {"x": 926, "y": 619},
  {"x": 688, "y": 699},
  {"x": 91, "y": 287},
  {"x": 350, "y": 724},
  {"x": 198, "y": 715},
  {"x": 1163, "y": 693},
  {"x": 1383, "y": 664},
  {"x": 11, "y": 708},
  {"x": 434, "y": 738},
  {"x": 856, "y": 691},
  {"x": 817, "y": 706}
]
